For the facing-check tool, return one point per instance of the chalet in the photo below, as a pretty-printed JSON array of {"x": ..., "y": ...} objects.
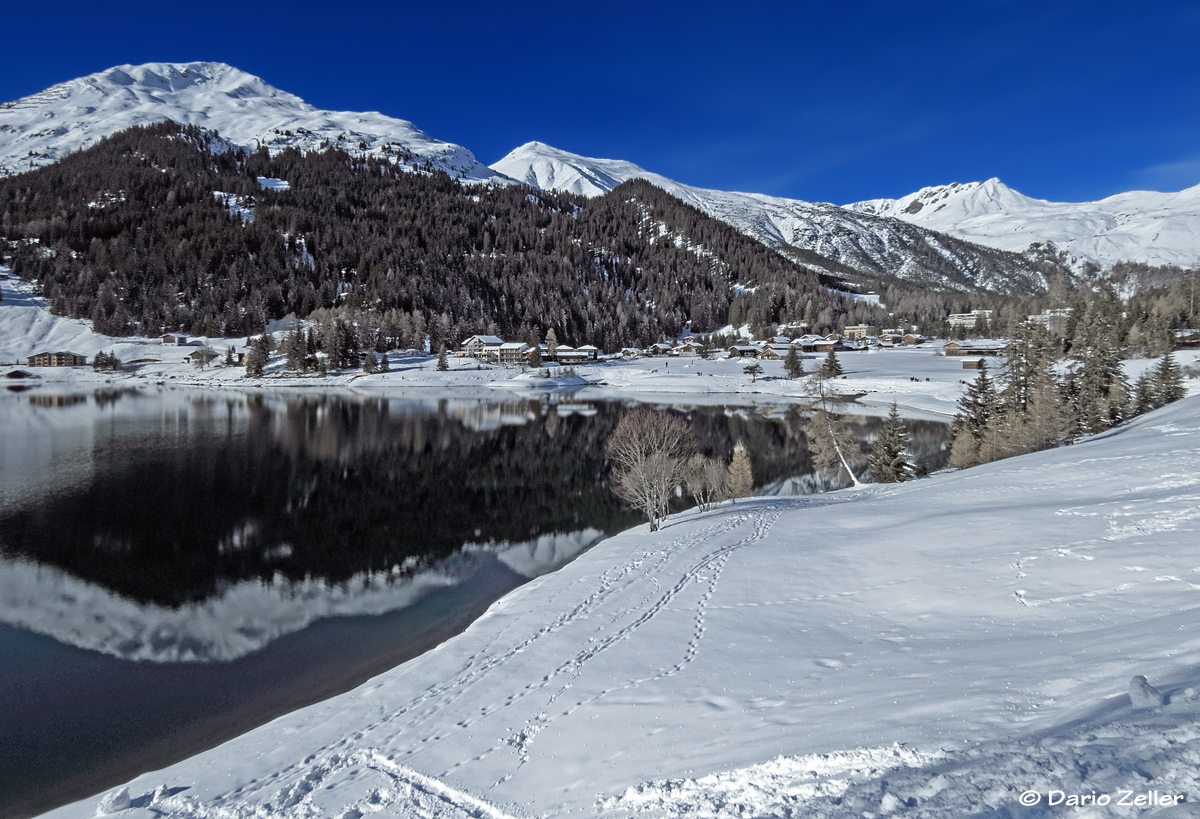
[
  {"x": 660, "y": 348},
  {"x": 578, "y": 355},
  {"x": 956, "y": 348},
  {"x": 743, "y": 351},
  {"x": 827, "y": 344},
  {"x": 483, "y": 346},
  {"x": 19, "y": 374},
  {"x": 203, "y": 356},
  {"x": 59, "y": 359},
  {"x": 913, "y": 339},
  {"x": 892, "y": 335},
  {"x": 513, "y": 352},
  {"x": 175, "y": 340},
  {"x": 808, "y": 342},
  {"x": 774, "y": 352},
  {"x": 631, "y": 352},
  {"x": 972, "y": 363},
  {"x": 687, "y": 349},
  {"x": 1187, "y": 338},
  {"x": 859, "y": 332}
]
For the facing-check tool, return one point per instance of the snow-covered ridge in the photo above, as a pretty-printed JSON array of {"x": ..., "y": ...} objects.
[
  {"x": 862, "y": 240},
  {"x": 44, "y": 127},
  {"x": 1145, "y": 226},
  {"x": 246, "y": 616}
]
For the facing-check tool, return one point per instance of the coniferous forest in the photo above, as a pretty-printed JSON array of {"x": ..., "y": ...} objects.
[{"x": 162, "y": 228}]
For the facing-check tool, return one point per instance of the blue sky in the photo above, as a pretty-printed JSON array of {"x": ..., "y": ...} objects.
[{"x": 826, "y": 101}]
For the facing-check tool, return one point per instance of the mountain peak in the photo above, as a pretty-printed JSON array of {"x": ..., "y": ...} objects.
[{"x": 245, "y": 109}]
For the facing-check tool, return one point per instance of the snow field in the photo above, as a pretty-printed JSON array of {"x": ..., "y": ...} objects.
[{"x": 989, "y": 621}]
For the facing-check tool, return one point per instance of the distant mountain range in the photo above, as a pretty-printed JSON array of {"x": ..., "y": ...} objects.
[
  {"x": 880, "y": 247},
  {"x": 960, "y": 236},
  {"x": 1144, "y": 226}
]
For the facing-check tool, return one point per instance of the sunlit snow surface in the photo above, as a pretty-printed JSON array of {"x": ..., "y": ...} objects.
[{"x": 766, "y": 658}]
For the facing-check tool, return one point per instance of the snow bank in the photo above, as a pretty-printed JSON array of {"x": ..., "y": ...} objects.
[{"x": 988, "y": 621}]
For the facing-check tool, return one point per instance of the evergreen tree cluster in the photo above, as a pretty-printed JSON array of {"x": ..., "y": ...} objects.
[{"x": 1034, "y": 407}]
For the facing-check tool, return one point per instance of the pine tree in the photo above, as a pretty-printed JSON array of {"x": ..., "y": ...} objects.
[
  {"x": 370, "y": 363},
  {"x": 385, "y": 366},
  {"x": 442, "y": 364},
  {"x": 741, "y": 479},
  {"x": 831, "y": 367},
  {"x": 978, "y": 408},
  {"x": 535, "y": 357},
  {"x": 890, "y": 458},
  {"x": 792, "y": 365},
  {"x": 258, "y": 356},
  {"x": 1097, "y": 385},
  {"x": 1168, "y": 381}
]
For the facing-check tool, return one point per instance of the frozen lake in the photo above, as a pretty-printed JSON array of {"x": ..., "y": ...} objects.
[{"x": 177, "y": 566}]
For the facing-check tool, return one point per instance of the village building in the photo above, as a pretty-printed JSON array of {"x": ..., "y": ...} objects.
[
  {"x": 860, "y": 332},
  {"x": 972, "y": 363},
  {"x": 1053, "y": 320},
  {"x": 661, "y": 348},
  {"x": 513, "y": 352},
  {"x": 913, "y": 339},
  {"x": 578, "y": 355},
  {"x": 483, "y": 347},
  {"x": 58, "y": 359},
  {"x": 1187, "y": 338},
  {"x": 19, "y": 374},
  {"x": 632, "y": 352},
  {"x": 969, "y": 321},
  {"x": 808, "y": 342},
  {"x": 774, "y": 352},
  {"x": 958, "y": 348},
  {"x": 743, "y": 351},
  {"x": 175, "y": 340},
  {"x": 687, "y": 349}
]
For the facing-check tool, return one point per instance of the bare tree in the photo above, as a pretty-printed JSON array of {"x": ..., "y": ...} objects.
[
  {"x": 706, "y": 481},
  {"x": 649, "y": 451},
  {"x": 830, "y": 438}
]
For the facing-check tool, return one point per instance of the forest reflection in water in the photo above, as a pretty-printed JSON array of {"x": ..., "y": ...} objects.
[{"x": 167, "y": 498}]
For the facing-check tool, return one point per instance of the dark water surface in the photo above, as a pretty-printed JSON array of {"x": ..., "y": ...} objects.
[{"x": 179, "y": 566}]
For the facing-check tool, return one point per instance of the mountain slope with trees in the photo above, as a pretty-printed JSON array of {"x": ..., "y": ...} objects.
[{"x": 164, "y": 228}]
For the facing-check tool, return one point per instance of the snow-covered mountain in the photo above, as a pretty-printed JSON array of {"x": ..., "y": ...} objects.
[
  {"x": 40, "y": 129},
  {"x": 1143, "y": 226},
  {"x": 875, "y": 244}
]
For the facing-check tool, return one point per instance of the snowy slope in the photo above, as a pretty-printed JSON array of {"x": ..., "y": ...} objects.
[
  {"x": 990, "y": 620},
  {"x": 42, "y": 128},
  {"x": 865, "y": 241},
  {"x": 1145, "y": 226}
]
